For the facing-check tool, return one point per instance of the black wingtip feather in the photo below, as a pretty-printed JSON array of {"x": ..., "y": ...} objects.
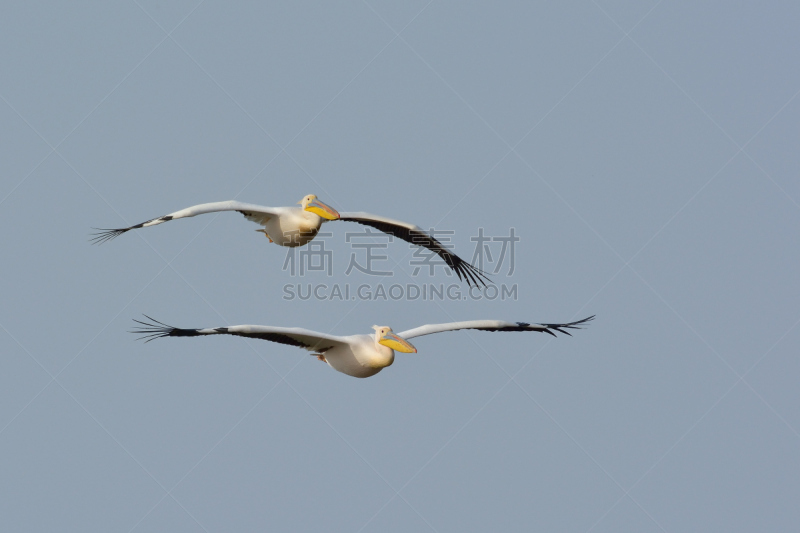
[
  {"x": 471, "y": 275},
  {"x": 474, "y": 276},
  {"x": 481, "y": 274},
  {"x": 463, "y": 270},
  {"x": 155, "y": 329},
  {"x": 105, "y": 235},
  {"x": 562, "y": 328}
]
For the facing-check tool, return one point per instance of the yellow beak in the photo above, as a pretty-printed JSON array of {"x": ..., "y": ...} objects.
[
  {"x": 325, "y": 211},
  {"x": 397, "y": 344}
]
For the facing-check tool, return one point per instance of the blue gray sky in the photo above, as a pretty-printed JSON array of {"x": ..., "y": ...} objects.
[{"x": 645, "y": 153}]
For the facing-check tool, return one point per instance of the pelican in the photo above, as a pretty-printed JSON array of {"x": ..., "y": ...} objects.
[
  {"x": 297, "y": 226},
  {"x": 360, "y": 356}
]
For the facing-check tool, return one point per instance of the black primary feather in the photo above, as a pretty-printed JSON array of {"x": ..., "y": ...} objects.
[
  {"x": 570, "y": 325},
  {"x": 156, "y": 330},
  {"x": 549, "y": 328},
  {"x": 106, "y": 235},
  {"x": 465, "y": 271}
]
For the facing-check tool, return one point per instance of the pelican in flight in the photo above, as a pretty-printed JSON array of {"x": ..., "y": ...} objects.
[
  {"x": 296, "y": 226},
  {"x": 361, "y": 356}
]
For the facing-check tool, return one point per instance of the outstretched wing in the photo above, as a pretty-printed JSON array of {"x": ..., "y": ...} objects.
[
  {"x": 494, "y": 325},
  {"x": 302, "y": 338},
  {"x": 256, "y": 213},
  {"x": 416, "y": 235}
]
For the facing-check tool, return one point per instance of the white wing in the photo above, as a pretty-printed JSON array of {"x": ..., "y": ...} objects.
[
  {"x": 493, "y": 325},
  {"x": 302, "y": 338},
  {"x": 256, "y": 213},
  {"x": 416, "y": 235}
]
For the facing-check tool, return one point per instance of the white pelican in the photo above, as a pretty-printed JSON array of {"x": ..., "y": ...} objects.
[
  {"x": 361, "y": 356},
  {"x": 296, "y": 226}
]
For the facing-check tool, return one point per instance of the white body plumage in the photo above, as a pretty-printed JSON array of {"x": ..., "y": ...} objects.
[
  {"x": 294, "y": 227},
  {"x": 361, "y": 357}
]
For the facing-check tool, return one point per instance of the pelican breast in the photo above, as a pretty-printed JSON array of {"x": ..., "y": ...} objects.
[
  {"x": 361, "y": 357},
  {"x": 295, "y": 227}
]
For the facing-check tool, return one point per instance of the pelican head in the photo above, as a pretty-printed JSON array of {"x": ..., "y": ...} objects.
[
  {"x": 384, "y": 335},
  {"x": 311, "y": 204}
]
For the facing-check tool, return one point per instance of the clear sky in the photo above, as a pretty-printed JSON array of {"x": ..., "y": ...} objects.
[{"x": 645, "y": 154}]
